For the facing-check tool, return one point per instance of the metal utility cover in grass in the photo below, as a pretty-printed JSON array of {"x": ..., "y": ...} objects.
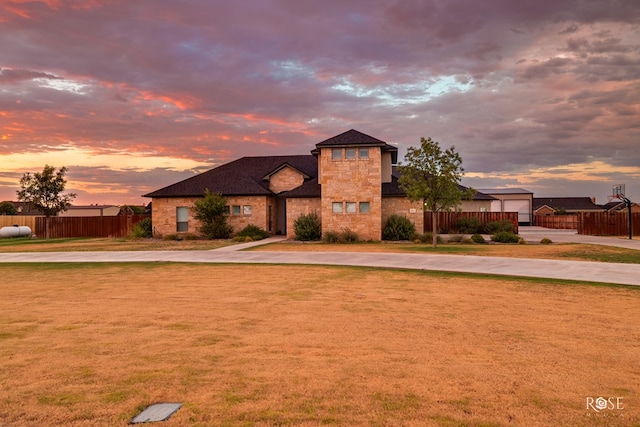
[{"x": 157, "y": 412}]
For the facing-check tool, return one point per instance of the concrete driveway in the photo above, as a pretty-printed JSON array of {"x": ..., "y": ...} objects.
[{"x": 627, "y": 274}]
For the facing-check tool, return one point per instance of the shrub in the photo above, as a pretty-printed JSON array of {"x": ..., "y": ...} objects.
[
  {"x": 172, "y": 237},
  {"x": 348, "y": 236},
  {"x": 254, "y": 232},
  {"x": 217, "y": 229},
  {"x": 331, "y": 237},
  {"x": 307, "y": 227},
  {"x": 546, "y": 241},
  {"x": 477, "y": 238},
  {"x": 494, "y": 227},
  {"x": 468, "y": 225},
  {"x": 427, "y": 238},
  {"x": 210, "y": 211},
  {"x": 505, "y": 237},
  {"x": 398, "y": 228},
  {"x": 143, "y": 228},
  {"x": 456, "y": 238}
]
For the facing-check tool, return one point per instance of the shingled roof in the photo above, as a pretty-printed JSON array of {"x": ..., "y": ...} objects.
[
  {"x": 352, "y": 138},
  {"x": 567, "y": 203},
  {"x": 245, "y": 176}
]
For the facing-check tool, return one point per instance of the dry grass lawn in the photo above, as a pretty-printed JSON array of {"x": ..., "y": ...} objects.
[{"x": 92, "y": 345}]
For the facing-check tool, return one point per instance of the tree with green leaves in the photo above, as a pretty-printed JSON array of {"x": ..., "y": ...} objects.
[
  {"x": 432, "y": 176},
  {"x": 7, "y": 208},
  {"x": 45, "y": 192},
  {"x": 210, "y": 211}
]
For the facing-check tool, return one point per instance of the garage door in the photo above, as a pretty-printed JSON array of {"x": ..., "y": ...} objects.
[{"x": 522, "y": 207}]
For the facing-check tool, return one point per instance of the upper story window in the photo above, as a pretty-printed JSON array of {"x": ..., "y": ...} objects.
[
  {"x": 351, "y": 207},
  {"x": 336, "y": 153},
  {"x": 336, "y": 207},
  {"x": 350, "y": 153},
  {"x": 363, "y": 153},
  {"x": 365, "y": 207}
]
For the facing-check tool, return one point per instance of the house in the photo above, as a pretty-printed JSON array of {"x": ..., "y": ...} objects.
[
  {"x": 512, "y": 200},
  {"x": 347, "y": 180},
  {"x": 620, "y": 206},
  {"x": 570, "y": 205},
  {"x": 90, "y": 210}
]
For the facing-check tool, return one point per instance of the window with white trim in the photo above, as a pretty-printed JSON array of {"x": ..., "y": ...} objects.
[{"x": 182, "y": 218}]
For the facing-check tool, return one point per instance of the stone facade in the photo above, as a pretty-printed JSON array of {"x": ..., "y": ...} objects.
[
  {"x": 244, "y": 210},
  {"x": 301, "y": 206},
  {"x": 351, "y": 182},
  {"x": 285, "y": 179},
  {"x": 404, "y": 207}
]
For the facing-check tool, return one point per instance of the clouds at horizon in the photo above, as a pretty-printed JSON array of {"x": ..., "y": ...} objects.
[{"x": 137, "y": 95}]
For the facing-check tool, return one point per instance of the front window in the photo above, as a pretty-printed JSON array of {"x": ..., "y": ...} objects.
[
  {"x": 351, "y": 207},
  {"x": 363, "y": 153},
  {"x": 182, "y": 218},
  {"x": 337, "y": 207},
  {"x": 246, "y": 209},
  {"x": 336, "y": 154},
  {"x": 365, "y": 207},
  {"x": 350, "y": 153},
  {"x": 235, "y": 209}
]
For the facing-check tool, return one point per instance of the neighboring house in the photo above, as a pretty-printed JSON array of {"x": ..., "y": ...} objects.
[
  {"x": 512, "y": 200},
  {"x": 24, "y": 208},
  {"x": 347, "y": 180},
  {"x": 620, "y": 206},
  {"x": 570, "y": 205},
  {"x": 90, "y": 210}
]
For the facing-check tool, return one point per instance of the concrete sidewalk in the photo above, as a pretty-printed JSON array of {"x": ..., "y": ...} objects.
[{"x": 628, "y": 274}]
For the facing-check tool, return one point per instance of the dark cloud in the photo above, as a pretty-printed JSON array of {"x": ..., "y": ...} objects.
[{"x": 513, "y": 85}]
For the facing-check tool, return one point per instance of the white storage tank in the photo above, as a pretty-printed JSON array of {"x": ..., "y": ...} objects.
[{"x": 15, "y": 231}]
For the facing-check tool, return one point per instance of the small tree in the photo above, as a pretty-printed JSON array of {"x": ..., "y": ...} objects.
[
  {"x": 210, "y": 211},
  {"x": 44, "y": 192},
  {"x": 432, "y": 176},
  {"x": 7, "y": 208},
  {"x": 307, "y": 227}
]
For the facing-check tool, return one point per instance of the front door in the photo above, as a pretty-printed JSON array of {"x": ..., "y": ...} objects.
[{"x": 281, "y": 216}]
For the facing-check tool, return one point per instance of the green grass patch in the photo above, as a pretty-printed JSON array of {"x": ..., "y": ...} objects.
[
  {"x": 27, "y": 241},
  {"x": 611, "y": 254}
]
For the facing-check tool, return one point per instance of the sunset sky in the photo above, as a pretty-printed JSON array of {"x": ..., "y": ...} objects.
[{"x": 134, "y": 95}]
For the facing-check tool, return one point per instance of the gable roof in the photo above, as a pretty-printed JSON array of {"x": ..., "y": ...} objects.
[
  {"x": 244, "y": 176},
  {"x": 567, "y": 203}
]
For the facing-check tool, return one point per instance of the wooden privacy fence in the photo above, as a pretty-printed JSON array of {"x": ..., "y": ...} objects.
[
  {"x": 25, "y": 220},
  {"x": 607, "y": 224},
  {"x": 448, "y": 221},
  {"x": 563, "y": 222},
  {"x": 88, "y": 226}
]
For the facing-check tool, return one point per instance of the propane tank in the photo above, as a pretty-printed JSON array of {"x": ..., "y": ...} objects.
[{"x": 15, "y": 231}]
